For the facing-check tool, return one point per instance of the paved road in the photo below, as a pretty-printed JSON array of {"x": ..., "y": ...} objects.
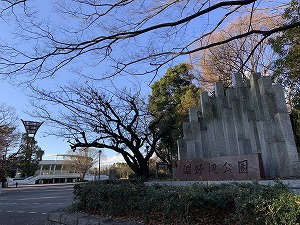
[{"x": 30, "y": 204}]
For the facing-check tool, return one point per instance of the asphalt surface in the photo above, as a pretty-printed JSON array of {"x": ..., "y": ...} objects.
[{"x": 30, "y": 204}]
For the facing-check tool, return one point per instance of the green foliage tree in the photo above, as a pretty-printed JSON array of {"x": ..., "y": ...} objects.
[
  {"x": 287, "y": 47},
  {"x": 287, "y": 64},
  {"x": 27, "y": 158},
  {"x": 169, "y": 102}
]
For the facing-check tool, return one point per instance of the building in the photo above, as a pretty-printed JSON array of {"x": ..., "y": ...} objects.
[{"x": 56, "y": 170}]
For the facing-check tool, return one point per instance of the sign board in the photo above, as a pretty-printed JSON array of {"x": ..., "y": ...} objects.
[
  {"x": 161, "y": 165},
  {"x": 238, "y": 167}
]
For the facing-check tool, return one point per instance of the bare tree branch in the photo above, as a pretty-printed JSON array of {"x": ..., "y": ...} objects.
[
  {"x": 94, "y": 118},
  {"x": 8, "y": 5},
  {"x": 9, "y": 134},
  {"x": 57, "y": 50}
]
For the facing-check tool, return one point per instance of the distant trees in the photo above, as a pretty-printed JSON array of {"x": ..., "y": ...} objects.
[
  {"x": 82, "y": 160},
  {"x": 169, "y": 102},
  {"x": 121, "y": 120},
  {"x": 122, "y": 170},
  {"x": 9, "y": 134},
  {"x": 245, "y": 55}
]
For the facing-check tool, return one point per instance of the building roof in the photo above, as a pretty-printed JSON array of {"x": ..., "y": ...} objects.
[{"x": 54, "y": 162}]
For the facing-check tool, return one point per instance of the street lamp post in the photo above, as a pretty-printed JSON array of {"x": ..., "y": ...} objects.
[
  {"x": 99, "y": 164},
  {"x": 2, "y": 174},
  {"x": 3, "y": 165}
]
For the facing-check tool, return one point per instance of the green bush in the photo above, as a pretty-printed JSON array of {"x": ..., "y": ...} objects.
[
  {"x": 217, "y": 204},
  {"x": 268, "y": 205}
]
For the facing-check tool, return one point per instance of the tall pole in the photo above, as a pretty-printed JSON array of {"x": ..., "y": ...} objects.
[
  {"x": 3, "y": 164},
  {"x": 2, "y": 173},
  {"x": 31, "y": 127},
  {"x": 99, "y": 164}
]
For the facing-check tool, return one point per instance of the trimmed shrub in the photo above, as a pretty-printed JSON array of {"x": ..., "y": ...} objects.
[{"x": 217, "y": 204}]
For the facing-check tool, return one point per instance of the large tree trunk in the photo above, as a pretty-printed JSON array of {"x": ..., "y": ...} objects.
[
  {"x": 138, "y": 163},
  {"x": 143, "y": 172},
  {"x": 140, "y": 169}
]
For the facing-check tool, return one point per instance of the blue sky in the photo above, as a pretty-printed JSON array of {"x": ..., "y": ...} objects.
[{"x": 15, "y": 95}]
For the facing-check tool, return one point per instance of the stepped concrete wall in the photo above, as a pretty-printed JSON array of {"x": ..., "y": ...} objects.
[{"x": 250, "y": 117}]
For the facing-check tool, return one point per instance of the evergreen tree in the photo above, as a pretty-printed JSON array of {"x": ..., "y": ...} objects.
[
  {"x": 28, "y": 156},
  {"x": 169, "y": 102},
  {"x": 287, "y": 64}
]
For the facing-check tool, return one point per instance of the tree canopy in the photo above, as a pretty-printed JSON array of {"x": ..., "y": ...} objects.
[
  {"x": 95, "y": 117},
  {"x": 27, "y": 158},
  {"x": 245, "y": 55},
  {"x": 169, "y": 102},
  {"x": 287, "y": 65},
  {"x": 9, "y": 134}
]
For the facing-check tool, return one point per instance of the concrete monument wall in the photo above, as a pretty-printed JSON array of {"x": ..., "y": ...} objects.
[{"x": 250, "y": 117}]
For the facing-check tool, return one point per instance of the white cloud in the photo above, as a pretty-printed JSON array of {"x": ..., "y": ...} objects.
[{"x": 113, "y": 159}]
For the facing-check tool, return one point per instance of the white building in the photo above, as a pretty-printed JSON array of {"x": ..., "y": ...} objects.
[{"x": 57, "y": 170}]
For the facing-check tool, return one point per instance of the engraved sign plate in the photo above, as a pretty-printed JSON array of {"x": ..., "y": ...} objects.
[{"x": 238, "y": 167}]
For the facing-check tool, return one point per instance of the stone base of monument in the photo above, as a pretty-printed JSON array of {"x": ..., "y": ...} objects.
[
  {"x": 237, "y": 167},
  {"x": 293, "y": 185}
]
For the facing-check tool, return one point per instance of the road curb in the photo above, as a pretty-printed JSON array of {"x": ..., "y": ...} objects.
[{"x": 64, "y": 217}]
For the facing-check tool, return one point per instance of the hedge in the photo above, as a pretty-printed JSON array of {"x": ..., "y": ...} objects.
[{"x": 216, "y": 204}]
